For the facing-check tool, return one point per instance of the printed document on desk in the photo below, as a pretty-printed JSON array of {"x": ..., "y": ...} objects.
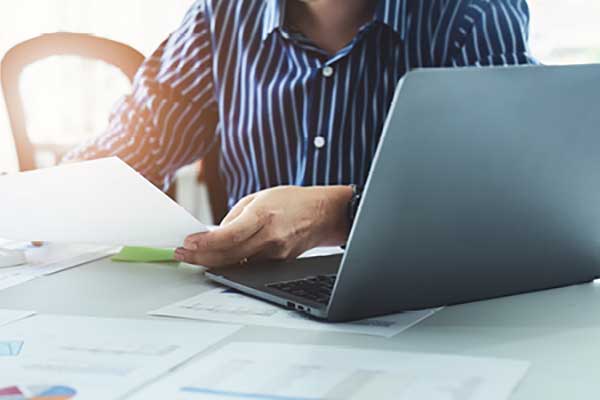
[
  {"x": 225, "y": 305},
  {"x": 96, "y": 358},
  {"x": 94, "y": 202},
  {"x": 8, "y": 316},
  {"x": 278, "y": 371},
  {"x": 49, "y": 259}
]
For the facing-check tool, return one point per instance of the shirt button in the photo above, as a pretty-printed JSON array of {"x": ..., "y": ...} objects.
[
  {"x": 327, "y": 72},
  {"x": 319, "y": 142}
]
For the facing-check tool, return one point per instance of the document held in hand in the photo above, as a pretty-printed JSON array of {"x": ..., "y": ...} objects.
[{"x": 98, "y": 202}]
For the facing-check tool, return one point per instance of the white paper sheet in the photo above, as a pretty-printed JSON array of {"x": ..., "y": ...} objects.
[
  {"x": 49, "y": 259},
  {"x": 96, "y": 202},
  {"x": 223, "y": 305},
  {"x": 322, "y": 252},
  {"x": 96, "y": 358},
  {"x": 299, "y": 372},
  {"x": 8, "y": 316}
]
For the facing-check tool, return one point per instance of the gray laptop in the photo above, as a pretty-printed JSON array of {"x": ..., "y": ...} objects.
[{"x": 486, "y": 183}]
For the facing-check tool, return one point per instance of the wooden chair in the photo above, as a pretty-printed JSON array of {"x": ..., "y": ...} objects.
[
  {"x": 125, "y": 58},
  {"x": 209, "y": 174}
]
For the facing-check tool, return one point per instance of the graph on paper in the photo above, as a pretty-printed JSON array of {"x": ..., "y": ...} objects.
[
  {"x": 41, "y": 392},
  {"x": 269, "y": 371},
  {"x": 11, "y": 348}
]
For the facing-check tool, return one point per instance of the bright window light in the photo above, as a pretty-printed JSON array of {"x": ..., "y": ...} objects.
[{"x": 59, "y": 107}]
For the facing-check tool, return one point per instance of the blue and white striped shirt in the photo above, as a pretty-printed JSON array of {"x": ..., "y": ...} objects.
[{"x": 288, "y": 113}]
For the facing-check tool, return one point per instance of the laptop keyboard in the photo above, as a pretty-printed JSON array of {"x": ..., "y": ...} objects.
[{"x": 314, "y": 288}]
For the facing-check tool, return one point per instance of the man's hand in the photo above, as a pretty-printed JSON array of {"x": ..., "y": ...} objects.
[{"x": 275, "y": 224}]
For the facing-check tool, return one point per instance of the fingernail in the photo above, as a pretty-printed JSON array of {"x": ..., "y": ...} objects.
[{"x": 178, "y": 257}]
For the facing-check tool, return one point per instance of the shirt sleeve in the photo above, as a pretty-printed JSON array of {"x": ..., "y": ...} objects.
[
  {"x": 498, "y": 34},
  {"x": 169, "y": 120}
]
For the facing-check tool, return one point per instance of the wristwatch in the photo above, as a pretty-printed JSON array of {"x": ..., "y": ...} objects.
[{"x": 354, "y": 203}]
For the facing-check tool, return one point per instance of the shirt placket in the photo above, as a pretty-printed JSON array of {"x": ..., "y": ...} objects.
[
  {"x": 319, "y": 92},
  {"x": 320, "y": 89}
]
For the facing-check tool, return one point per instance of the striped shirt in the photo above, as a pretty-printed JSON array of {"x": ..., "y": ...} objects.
[{"x": 286, "y": 112}]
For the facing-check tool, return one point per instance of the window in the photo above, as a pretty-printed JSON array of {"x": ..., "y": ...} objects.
[{"x": 565, "y": 32}]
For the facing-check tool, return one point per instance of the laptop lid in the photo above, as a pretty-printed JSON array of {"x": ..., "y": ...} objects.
[{"x": 486, "y": 183}]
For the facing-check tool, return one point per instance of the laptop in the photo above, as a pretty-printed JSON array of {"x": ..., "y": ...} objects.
[{"x": 486, "y": 183}]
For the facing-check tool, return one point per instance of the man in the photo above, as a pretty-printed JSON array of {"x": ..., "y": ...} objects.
[{"x": 298, "y": 92}]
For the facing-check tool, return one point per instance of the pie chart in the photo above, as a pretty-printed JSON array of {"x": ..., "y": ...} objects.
[{"x": 41, "y": 392}]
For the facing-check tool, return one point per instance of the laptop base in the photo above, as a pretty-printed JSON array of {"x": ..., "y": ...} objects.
[{"x": 255, "y": 280}]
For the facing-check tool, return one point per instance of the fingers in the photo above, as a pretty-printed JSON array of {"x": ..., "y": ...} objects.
[
  {"x": 209, "y": 260},
  {"x": 239, "y": 230},
  {"x": 229, "y": 243},
  {"x": 237, "y": 210},
  {"x": 223, "y": 257},
  {"x": 265, "y": 245},
  {"x": 275, "y": 224}
]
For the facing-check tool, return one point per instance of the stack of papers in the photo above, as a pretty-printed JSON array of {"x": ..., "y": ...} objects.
[
  {"x": 8, "y": 316},
  {"x": 277, "y": 371},
  {"x": 49, "y": 259},
  {"x": 224, "y": 305},
  {"x": 97, "y": 204}
]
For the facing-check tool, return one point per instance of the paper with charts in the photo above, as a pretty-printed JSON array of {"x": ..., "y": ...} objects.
[
  {"x": 224, "y": 305},
  {"x": 299, "y": 372},
  {"x": 9, "y": 347},
  {"x": 94, "y": 202},
  {"x": 49, "y": 259},
  {"x": 60, "y": 357},
  {"x": 8, "y": 316}
]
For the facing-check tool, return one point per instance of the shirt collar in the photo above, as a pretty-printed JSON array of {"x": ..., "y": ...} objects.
[
  {"x": 273, "y": 18},
  {"x": 390, "y": 12},
  {"x": 393, "y": 13}
]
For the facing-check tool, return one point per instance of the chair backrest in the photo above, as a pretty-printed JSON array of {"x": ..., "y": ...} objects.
[
  {"x": 122, "y": 56},
  {"x": 211, "y": 176}
]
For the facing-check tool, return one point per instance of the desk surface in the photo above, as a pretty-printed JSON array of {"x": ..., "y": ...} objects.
[{"x": 558, "y": 330}]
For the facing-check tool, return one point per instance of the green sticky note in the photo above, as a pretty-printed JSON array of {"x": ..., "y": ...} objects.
[{"x": 144, "y": 255}]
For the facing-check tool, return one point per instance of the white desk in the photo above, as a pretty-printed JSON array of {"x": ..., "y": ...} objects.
[{"x": 558, "y": 331}]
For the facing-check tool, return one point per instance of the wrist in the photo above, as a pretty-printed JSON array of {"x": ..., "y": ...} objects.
[{"x": 334, "y": 225}]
